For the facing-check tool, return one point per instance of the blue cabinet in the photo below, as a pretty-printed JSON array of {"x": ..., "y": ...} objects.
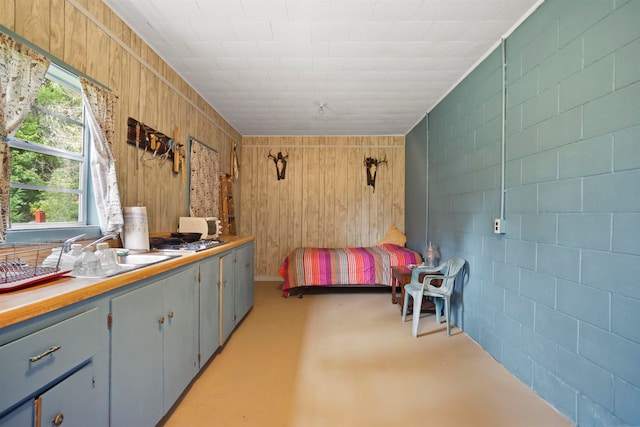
[
  {"x": 125, "y": 357},
  {"x": 69, "y": 403},
  {"x": 236, "y": 272},
  {"x": 56, "y": 366},
  {"x": 227, "y": 295},
  {"x": 209, "y": 308},
  {"x": 243, "y": 281},
  {"x": 180, "y": 334},
  {"x": 22, "y": 416},
  {"x": 154, "y": 347}
]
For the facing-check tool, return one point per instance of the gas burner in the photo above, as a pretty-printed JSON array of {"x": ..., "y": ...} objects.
[{"x": 186, "y": 247}]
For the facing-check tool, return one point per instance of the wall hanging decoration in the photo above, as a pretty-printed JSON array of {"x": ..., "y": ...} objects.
[
  {"x": 371, "y": 164},
  {"x": 155, "y": 145},
  {"x": 204, "y": 180},
  {"x": 235, "y": 166},
  {"x": 280, "y": 162}
]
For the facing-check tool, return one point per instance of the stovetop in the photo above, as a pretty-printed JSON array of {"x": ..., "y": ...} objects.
[{"x": 198, "y": 245}]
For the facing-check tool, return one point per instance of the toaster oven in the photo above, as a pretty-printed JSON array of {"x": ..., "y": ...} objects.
[{"x": 209, "y": 227}]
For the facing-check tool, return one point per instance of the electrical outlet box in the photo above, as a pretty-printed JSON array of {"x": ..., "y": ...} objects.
[{"x": 498, "y": 226}]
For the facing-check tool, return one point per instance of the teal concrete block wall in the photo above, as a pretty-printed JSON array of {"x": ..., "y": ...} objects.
[
  {"x": 415, "y": 226},
  {"x": 556, "y": 299}
]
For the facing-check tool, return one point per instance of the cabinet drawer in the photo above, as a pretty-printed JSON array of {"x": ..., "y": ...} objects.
[{"x": 31, "y": 362}]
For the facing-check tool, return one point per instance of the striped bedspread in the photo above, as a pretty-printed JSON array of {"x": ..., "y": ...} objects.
[{"x": 344, "y": 266}]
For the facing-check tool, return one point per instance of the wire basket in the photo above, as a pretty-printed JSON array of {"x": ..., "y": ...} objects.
[{"x": 21, "y": 267}]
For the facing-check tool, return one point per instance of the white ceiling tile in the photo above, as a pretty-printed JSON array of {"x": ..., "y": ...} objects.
[
  {"x": 369, "y": 31},
  {"x": 174, "y": 51},
  {"x": 241, "y": 49},
  {"x": 346, "y": 49},
  {"x": 390, "y": 10},
  {"x": 265, "y": 65},
  {"x": 392, "y": 64},
  {"x": 201, "y": 64},
  {"x": 170, "y": 31},
  {"x": 256, "y": 10},
  {"x": 252, "y": 30},
  {"x": 311, "y": 49},
  {"x": 278, "y": 49},
  {"x": 313, "y": 76},
  {"x": 220, "y": 10},
  {"x": 298, "y": 32},
  {"x": 382, "y": 49},
  {"x": 284, "y": 76},
  {"x": 440, "y": 10},
  {"x": 330, "y": 31},
  {"x": 309, "y": 10},
  {"x": 206, "y": 49},
  {"x": 253, "y": 75},
  {"x": 354, "y": 10},
  {"x": 297, "y": 63},
  {"x": 212, "y": 31},
  {"x": 229, "y": 63},
  {"x": 354, "y": 64},
  {"x": 445, "y": 31},
  {"x": 245, "y": 86},
  {"x": 328, "y": 64},
  {"x": 409, "y": 31},
  {"x": 225, "y": 76},
  {"x": 176, "y": 10}
]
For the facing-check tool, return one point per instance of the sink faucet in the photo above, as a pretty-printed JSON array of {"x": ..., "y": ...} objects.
[
  {"x": 102, "y": 239},
  {"x": 66, "y": 247}
]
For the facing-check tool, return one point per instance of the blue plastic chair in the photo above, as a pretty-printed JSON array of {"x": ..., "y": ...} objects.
[{"x": 449, "y": 271}]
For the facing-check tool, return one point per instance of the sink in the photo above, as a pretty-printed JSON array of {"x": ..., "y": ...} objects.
[
  {"x": 132, "y": 262},
  {"x": 143, "y": 259}
]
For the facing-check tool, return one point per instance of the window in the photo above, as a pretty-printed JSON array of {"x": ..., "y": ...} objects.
[{"x": 49, "y": 157}]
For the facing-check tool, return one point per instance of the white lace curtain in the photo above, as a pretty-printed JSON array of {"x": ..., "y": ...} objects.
[
  {"x": 101, "y": 105},
  {"x": 22, "y": 72},
  {"x": 205, "y": 181}
]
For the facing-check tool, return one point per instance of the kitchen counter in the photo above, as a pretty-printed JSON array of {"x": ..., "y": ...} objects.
[{"x": 18, "y": 306}]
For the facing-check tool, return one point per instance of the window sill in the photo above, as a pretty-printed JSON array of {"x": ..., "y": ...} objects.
[{"x": 48, "y": 235}]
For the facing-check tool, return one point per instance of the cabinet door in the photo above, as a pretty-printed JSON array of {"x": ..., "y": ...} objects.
[
  {"x": 136, "y": 357},
  {"x": 227, "y": 275},
  {"x": 22, "y": 416},
  {"x": 69, "y": 402},
  {"x": 180, "y": 333},
  {"x": 244, "y": 281},
  {"x": 209, "y": 308}
]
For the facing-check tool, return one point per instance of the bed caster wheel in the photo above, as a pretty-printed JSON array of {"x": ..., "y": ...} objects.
[{"x": 300, "y": 296}]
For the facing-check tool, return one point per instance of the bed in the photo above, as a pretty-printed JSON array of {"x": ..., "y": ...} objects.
[{"x": 364, "y": 266}]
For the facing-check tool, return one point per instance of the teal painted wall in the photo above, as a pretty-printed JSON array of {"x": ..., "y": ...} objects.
[
  {"x": 556, "y": 299},
  {"x": 415, "y": 196}
]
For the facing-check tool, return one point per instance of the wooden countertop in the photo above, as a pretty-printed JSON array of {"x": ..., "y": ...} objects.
[{"x": 24, "y": 304}]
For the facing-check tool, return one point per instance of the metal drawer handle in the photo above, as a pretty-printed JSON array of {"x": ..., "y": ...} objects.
[
  {"x": 161, "y": 320},
  {"x": 58, "y": 419},
  {"x": 170, "y": 315},
  {"x": 46, "y": 353}
]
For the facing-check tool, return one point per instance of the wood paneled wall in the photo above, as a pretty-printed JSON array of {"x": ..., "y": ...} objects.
[
  {"x": 89, "y": 37},
  {"x": 324, "y": 200}
]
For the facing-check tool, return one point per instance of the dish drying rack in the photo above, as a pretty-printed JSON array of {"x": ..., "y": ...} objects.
[{"x": 21, "y": 267}]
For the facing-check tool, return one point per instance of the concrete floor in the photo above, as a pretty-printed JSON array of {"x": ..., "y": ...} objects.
[{"x": 346, "y": 359}]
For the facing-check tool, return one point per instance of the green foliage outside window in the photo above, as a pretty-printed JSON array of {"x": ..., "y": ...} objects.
[{"x": 46, "y": 171}]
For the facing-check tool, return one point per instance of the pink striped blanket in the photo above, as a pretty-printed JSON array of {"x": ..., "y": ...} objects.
[{"x": 344, "y": 266}]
